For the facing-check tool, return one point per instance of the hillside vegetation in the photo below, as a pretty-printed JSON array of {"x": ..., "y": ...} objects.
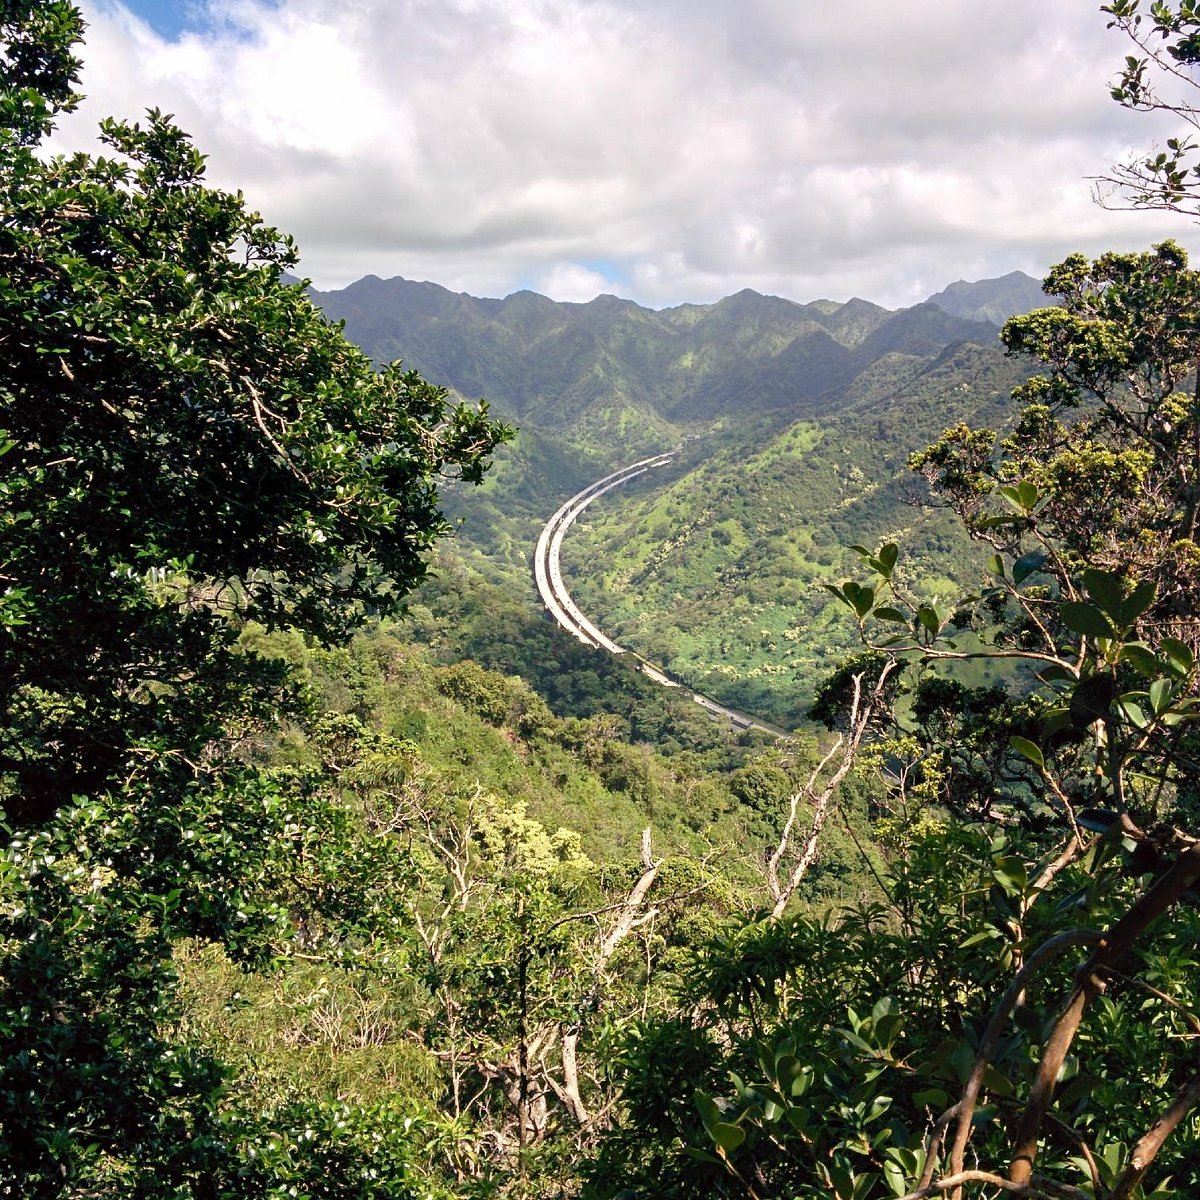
[
  {"x": 795, "y": 421},
  {"x": 330, "y": 869}
]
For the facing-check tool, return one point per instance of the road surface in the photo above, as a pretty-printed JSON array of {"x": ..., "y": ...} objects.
[{"x": 547, "y": 571}]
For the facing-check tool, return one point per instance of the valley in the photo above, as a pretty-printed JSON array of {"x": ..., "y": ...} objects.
[
  {"x": 557, "y": 599},
  {"x": 751, "y": 754},
  {"x": 793, "y": 424}
]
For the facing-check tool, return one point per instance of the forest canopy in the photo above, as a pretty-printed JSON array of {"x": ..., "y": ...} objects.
[{"x": 282, "y": 909}]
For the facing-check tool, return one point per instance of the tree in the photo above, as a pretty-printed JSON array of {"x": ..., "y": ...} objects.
[
  {"x": 187, "y": 446},
  {"x": 974, "y": 1059},
  {"x": 189, "y": 443},
  {"x": 1158, "y": 78}
]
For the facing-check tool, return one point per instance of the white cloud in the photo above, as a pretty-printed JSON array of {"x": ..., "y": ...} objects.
[
  {"x": 572, "y": 283},
  {"x": 700, "y": 146}
]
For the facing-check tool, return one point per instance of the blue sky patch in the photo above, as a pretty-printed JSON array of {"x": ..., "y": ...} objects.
[
  {"x": 169, "y": 18},
  {"x": 172, "y": 18}
]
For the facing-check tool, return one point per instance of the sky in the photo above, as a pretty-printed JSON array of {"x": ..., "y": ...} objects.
[{"x": 667, "y": 151}]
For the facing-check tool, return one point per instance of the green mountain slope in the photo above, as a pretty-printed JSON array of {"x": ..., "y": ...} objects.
[
  {"x": 794, "y": 423},
  {"x": 719, "y": 575}
]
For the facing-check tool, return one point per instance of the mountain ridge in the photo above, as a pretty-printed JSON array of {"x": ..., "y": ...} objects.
[
  {"x": 567, "y": 367},
  {"x": 986, "y": 297}
]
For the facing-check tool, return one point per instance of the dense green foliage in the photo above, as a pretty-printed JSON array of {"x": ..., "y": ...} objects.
[
  {"x": 309, "y": 892},
  {"x": 187, "y": 445},
  {"x": 812, "y": 1058},
  {"x": 1022, "y": 1075}
]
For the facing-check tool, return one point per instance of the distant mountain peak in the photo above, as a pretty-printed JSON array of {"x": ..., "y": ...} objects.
[{"x": 991, "y": 300}]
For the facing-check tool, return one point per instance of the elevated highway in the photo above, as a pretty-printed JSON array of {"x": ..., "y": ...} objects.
[{"x": 547, "y": 572}]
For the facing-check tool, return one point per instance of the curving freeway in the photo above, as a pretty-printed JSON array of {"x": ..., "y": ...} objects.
[{"x": 547, "y": 571}]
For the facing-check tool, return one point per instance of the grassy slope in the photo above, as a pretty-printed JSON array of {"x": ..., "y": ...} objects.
[{"x": 719, "y": 576}]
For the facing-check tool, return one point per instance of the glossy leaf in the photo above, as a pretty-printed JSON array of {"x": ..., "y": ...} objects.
[
  {"x": 1086, "y": 619},
  {"x": 1028, "y": 564},
  {"x": 929, "y": 619},
  {"x": 1028, "y": 749},
  {"x": 1141, "y": 659},
  {"x": 1180, "y": 656},
  {"x": 728, "y": 1137}
]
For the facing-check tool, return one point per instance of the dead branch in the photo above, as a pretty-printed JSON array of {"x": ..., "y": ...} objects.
[
  {"x": 820, "y": 793},
  {"x": 629, "y": 919}
]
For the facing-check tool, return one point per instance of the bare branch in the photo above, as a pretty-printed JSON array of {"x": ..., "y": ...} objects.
[
  {"x": 820, "y": 793},
  {"x": 630, "y": 917}
]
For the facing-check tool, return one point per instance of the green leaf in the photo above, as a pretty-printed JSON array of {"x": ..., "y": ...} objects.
[
  {"x": 895, "y": 1178},
  {"x": 1010, "y": 873},
  {"x": 996, "y": 1082},
  {"x": 1141, "y": 659},
  {"x": 1085, "y": 619},
  {"x": 791, "y": 1075},
  {"x": 994, "y": 522},
  {"x": 890, "y": 614},
  {"x": 728, "y": 1137},
  {"x": 860, "y": 599},
  {"x": 1106, "y": 589},
  {"x": 798, "y": 1118},
  {"x": 1022, "y": 497},
  {"x": 883, "y": 1007},
  {"x": 1027, "y": 565},
  {"x": 710, "y": 1114},
  {"x": 985, "y": 1114},
  {"x": 1029, "y": 750},
  {"x": 929, "y": 618},
  {"x": 1179, "y": 655},
  {"x": 857, "y": 1042},
  {"x": 1160, "y": 692},
  {"x": 1055, "y": 721},
  {"x": 977, "y": 939},
  {"x": 1137, "y": 602}
]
